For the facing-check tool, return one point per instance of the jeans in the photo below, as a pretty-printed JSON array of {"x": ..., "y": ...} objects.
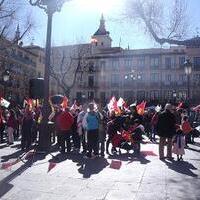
[
  {"x": 64, "y": 136},
  {"x": 162, "y": 143},
  {"x": 92, "y": 136}
]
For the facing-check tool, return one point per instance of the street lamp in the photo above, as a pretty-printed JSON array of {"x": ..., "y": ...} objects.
[
  {"x": 174, "y": 95},
  {"x": 6, "y": 79},
  {"x": 188, "y": 71},
  {"x": 133, "y": 76},
  {"x": 50, "y": 7}
]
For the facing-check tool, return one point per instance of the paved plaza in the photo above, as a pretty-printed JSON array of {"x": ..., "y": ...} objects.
[{"x": 76, "y": 178}]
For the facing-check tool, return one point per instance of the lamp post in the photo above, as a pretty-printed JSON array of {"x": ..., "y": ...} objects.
[
  {"x": 133, "y": 76},
  {"x": 174, "y": 95},
  {"x": 6, "y": 79},
  {"x": 50, "y": 7},
  {"x": 188, "y": 71}
]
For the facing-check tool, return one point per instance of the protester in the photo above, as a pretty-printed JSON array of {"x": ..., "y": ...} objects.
[
  {"x": 166, "y": 130},
  {"x": 178, "y": 141},
  {"x": 2, "y": 125},
  {"x": 81, "y": 130},
  {"x": 91, "y": 121},
  {"x": 187, "y": 129},
  {"x": 27, "y": 122},
  {"x": 64, "y": 121},
  {"x": 11, "y": 126}
]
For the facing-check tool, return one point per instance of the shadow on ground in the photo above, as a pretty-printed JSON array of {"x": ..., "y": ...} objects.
[
  {"x": 5, "y": 183},
  {"x": 85, "y": 166},
  {"x": 130, "y": 157},
  {"x": 182, "y": 167}
]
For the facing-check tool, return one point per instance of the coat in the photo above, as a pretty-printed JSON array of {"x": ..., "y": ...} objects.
[
  {"x": 178, "y": 144},
  {"x": 166, "y": 125}
]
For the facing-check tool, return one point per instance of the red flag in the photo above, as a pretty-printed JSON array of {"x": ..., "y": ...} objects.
[
  {"x": 179, "y": 105},
  {"x": 116, "y": 164},
  {"x": 141, "y": 107},
  {"x": 65, "y": 102},
  {"x": 112, "y": 106},
  {"x": 51, "y": 166}
]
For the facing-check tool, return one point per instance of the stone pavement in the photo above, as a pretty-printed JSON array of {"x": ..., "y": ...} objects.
[{"x": 76, "y": 178}]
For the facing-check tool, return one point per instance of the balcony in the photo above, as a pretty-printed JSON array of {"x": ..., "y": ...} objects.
[{"x": 23, "y": 60}]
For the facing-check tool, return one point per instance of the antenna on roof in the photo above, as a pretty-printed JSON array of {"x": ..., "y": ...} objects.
[
  {"x": 120, "y": 42},
  {"x": 128, "y": 47},
  {"x": 197, "y": 31}
]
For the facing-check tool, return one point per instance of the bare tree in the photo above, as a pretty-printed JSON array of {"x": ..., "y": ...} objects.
[
  {"x": 165, "y": 21},
  {"x": 11, "y": 15},
  {"x": 67, "y": 63}
]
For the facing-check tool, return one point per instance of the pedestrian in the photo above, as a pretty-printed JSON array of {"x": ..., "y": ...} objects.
[
  {"x": 178, "y": 141},
  {"x": 27, "y": 122},
  {"x": 75, "y": 134},
  {"x": 187, "y": 129},
  {"x": 2, "y": 125},
  {"x": 11, "y": 126},
  {"x": 81, "y": 130},
  {"x": 91, "y": 121},
  {"x": 166, "y": 130},
  {"x": 64, "y": 121}
]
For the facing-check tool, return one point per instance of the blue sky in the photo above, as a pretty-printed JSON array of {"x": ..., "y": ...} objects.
[{"x": 79, "y": 19}]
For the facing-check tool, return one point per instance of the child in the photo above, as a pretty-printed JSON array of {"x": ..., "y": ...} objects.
[{"x": 178, "y": 144}]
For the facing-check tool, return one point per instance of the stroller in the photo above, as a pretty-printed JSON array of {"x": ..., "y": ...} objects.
[{"x": 127, "y": 140}]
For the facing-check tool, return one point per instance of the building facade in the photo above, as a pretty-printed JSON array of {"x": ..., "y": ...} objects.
[
  {"x": 22, "y": 64},
  {"x": 155, "y": 74}
]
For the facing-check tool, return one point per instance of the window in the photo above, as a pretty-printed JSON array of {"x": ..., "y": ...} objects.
[
  {"x": 90, "y": 95},
  {"x": 103, "y": 97},
  {"x": 115, "y": 93},
  {"x": 181, "y": 61},
  {"x": 154, "y": 77},
  {"x": 182, "y": 78},
  {"x": 168, "y": 77},
  {"x": 154, "y": 61},
  {"x": 128, "y": 94},
  {"x": 154, "y": 94},
  {"x": 79, "y": 96},
  {"x": 141, "y": 95},
  {"x": 115, "y": 64},
  {"x": 102, "y": 65},
  {"x": 91, "y": 67},
  {"x": 91, "y": 81},
  {"x": 196, "y": 61},
  {"x": 182, "y": 94},
  {"x": 115, "y": 80},
  {"x": 168, "y": 94},
  {"x": 128, "y": 64},
  {"x": 141, "y": 61},
  {"x": 168, "y": 62}
]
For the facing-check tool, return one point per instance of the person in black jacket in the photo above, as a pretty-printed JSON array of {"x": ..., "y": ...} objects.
[{"x": 166, "y": 129}]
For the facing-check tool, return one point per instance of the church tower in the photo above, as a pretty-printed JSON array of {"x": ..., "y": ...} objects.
[
  {"x": 17, "y": 35},
  {"x": 101, "y": 38}
]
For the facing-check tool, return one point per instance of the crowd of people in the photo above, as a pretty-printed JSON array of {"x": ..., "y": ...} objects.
[{"x": 95, "y": 131}]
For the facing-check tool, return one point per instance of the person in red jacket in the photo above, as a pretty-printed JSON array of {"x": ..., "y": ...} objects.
[{"x": 64, "y": 121}]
